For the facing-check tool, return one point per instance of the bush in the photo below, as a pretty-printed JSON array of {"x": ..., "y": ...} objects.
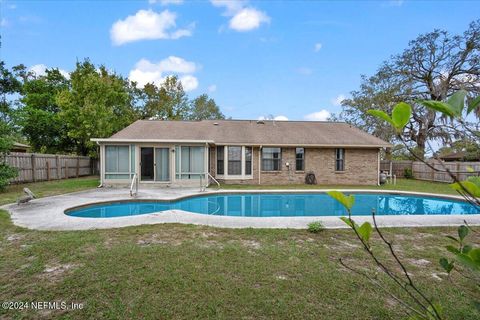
[
  {"x": 6, "y": 173},
  {"x": 315, "y": 227},
  {"x": 408, "y": 173}
]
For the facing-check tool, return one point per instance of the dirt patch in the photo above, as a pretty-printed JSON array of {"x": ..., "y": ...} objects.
[
  {"x": 56, "y": 271},
  {"x": 420, "y": 262},
  {"x": 155, "y": 239},
  {"x": 251, "y": 244},
  {"x": 15, "y": 237}
]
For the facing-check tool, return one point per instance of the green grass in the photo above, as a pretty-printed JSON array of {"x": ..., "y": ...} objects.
[
  {"x": 172, "y": 271},
  {"x": 402, "y": 184},
  {"x": 48, "y": 188}
]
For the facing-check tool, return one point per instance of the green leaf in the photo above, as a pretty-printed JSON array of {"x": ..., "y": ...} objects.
[
  {"x": 453, "y": 238},
  {"x": 467, "y": 261},
  {"x": 474, "y": 254},
  {"x": 382, "y": 115},
  {"x": 346, "y": 201},
  {"x": 439, "y": 106},
  {"x": 348, "y": 222},
  {"x": 474, "y": 104},
  {"x": 457, "y": 101},
  {"x": 400, "y": 115},
  {"x": 446, "y": 265},
  {"x": 365, "y": 231},
  {"x": 472, "y": 188},
  {"x": 462, "y": 232},
  {"x": 452, "y": 249},
  {"x": 466, "y": 248}
]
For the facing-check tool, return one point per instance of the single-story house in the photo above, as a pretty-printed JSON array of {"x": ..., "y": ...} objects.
[
  {"x": 458, "y": 156},
  {"x": 240, "y": 152}
]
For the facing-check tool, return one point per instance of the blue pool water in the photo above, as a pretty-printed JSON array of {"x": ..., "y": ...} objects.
[{"x": 282, "y": 205}]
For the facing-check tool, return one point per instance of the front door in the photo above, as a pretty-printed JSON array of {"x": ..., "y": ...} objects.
[
  {"x": 162, "y": 164},
  {"x": 147, "y": 164}
]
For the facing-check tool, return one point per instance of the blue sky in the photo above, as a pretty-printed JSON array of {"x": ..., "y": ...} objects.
[{"x": 293, "y": 59}]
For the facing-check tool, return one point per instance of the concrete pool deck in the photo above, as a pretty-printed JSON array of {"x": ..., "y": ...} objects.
[{"x": 48, "y": 213}]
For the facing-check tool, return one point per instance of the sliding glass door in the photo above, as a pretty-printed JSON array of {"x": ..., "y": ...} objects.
[
  {"x": 155, "y": 164},
  {"x": 162, "y": 164},
  {"x": 189, "y": 162}
]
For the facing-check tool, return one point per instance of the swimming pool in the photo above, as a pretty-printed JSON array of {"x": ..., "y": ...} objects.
[{"x": 282, "y": 205}]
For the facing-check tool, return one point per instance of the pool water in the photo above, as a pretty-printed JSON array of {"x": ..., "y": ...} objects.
[{"x": 282, "y": 205}]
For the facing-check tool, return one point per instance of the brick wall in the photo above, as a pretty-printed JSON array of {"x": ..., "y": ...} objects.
[{"x": 360, "y": 168}]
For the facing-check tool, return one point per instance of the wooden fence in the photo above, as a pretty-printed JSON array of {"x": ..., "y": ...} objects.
[
  {"x": 34, "y": 167},
  {"x": 421, "y": 171}
]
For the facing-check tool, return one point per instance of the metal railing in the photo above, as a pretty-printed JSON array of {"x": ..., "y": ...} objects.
[
  {"x": 134, "y": 186},
  {"x": 204, "y": 186}
]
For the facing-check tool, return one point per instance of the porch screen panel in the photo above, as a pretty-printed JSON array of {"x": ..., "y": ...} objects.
[
  {"x": 117, "y": 162},
  {"x": 190, "y": 162}
]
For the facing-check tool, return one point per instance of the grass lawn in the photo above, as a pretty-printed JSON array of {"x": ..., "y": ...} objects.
[
  {"x": 402, "y": 184},
  {"x": 184, "y": 272},
  {"x": 48, "y": 188}
]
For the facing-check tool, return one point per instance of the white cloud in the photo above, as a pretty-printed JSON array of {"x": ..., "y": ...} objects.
[
  {"x": 148, "y": 25},
  {"x": 189, "y": 83},
  {"x": 165, "y": 2},
  {"x": 3, "y": 22},
  {"x": 231, "y": 6},
  {"x": 243, "y": 18},
  {"x": 248, "y": 19},
  {"x": 338, "y": 100},
  {"x": 321, "y": 115},
  {"x": 271, "y": 117},
  {"x": 40, "y": 70},
  {"x": 148, "y": 72},
  {"x": 212, "y": 88},
  {"x": 317, "y": 47}
]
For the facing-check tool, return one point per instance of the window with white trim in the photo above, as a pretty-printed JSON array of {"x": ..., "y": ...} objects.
[{"x": 234, "y": 162}]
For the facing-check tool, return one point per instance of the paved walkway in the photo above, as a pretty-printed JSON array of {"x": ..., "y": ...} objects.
[{"x": 48, "y": 213}]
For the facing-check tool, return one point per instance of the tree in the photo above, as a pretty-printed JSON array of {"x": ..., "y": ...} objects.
[
  {"x": 97, "y": 105},
  {"x": 433, "y": 66},
  {"x": 166, "y": 102},
  {"x": 468, "y": 146},
  {"x": 39, "y": 115},
  {"x": 205, "y": 108},
  {"x": 9, "y": 85}
]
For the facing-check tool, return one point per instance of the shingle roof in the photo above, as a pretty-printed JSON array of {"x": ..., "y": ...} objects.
[{"x": 252, "y": 132}]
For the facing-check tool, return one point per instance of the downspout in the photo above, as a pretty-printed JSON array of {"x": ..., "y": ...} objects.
[
  {"x": 378, "y": 166},
  {"x": 101, "y": 166},
  {"x": 259, "y": 164}
]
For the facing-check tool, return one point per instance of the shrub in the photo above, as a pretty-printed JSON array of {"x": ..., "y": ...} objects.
[
  {"x": 408, "y": 173},
  {"x": 315, "y": 227}
]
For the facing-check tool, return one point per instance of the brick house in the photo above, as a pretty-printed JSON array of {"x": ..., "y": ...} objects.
[{"x": 240, "y": 152}]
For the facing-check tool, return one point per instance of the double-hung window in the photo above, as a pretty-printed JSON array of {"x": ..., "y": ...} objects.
[
  {"x": 299, "y": 159},
  {"x": 271, "y": 159},
  {"x": 234, "y": 161},
  {"x": 248, "y": 161},
  {"x": 339, "y": 159},
  {"x": 220, "y": 160}
]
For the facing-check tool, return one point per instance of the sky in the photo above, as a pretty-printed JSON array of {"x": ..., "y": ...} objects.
[{"x": 294, "y": 60}]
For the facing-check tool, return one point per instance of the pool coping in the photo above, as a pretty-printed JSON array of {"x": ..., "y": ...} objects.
[{"x": 48, "y": 213}]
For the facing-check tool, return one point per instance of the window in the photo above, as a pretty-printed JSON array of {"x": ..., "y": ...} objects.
[
  {"x": 235, "y": 161},
  {"x": 339, "y": 159},
  {"x": 189, "y": 162},
  {"x": 248, "y": 160},
  {"x": 220, "y": 160},
  {"x": 300, "y": 159},
  {"x": 271, "y": 159},
  {"x": 117, "y": 162}
]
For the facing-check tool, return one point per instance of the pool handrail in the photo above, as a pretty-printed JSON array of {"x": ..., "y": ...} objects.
[{"x": 134, "y": 184}]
